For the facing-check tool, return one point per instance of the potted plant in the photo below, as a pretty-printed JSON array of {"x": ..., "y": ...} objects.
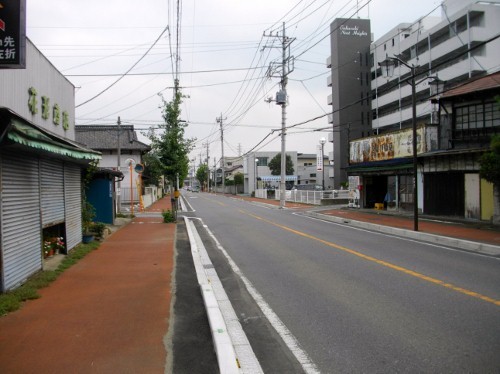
[{"x": 88, "y": 214}]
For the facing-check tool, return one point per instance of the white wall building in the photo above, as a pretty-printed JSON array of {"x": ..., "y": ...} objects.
[{"x": 463, "y": 43}]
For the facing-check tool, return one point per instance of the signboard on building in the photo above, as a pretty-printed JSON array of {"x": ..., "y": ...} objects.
[
  {"x": 397, "y": 144},
  {"x": 12, "y": 34}
]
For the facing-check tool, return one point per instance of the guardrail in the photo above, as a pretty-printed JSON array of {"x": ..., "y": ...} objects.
[{"x": 312, "y": 197}]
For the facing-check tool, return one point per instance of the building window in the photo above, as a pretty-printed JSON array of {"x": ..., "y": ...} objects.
[
  {"x": 473, "y": 117},
  {"x": 262, "y": 161},
  {"x": 313, "y": 175},
  {"x": 393, "y": 42}
]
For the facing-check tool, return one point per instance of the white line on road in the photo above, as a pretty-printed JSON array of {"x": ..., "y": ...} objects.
[{"x": 302, "y": 357}]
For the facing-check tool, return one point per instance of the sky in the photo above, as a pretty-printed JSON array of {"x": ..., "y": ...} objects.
[{"x": 121, "y": 56}]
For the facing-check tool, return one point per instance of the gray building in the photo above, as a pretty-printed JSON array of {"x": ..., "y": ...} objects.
[{"x": 350, "y": 82}]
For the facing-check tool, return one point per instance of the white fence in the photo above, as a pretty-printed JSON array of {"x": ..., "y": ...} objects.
[
  {"x": 312, "y": 197},
  {"x": 151, "y": 194}
]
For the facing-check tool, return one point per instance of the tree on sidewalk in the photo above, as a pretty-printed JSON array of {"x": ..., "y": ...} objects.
[
  {"x": 201, "y": 174},
  {"x": 490, "y": 170},
  {"x": 169, "y": 149}
]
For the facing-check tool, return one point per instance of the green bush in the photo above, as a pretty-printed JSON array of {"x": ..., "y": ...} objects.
[{"x": 168, "y": 216}]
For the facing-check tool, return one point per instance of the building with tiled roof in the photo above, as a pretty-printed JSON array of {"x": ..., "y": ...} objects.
[{"x": 111, "y": 141}]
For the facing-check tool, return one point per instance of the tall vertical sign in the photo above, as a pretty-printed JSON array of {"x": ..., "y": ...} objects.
[
  {"x": 12, "y": 34},
  {"x": 319, "y": 158}
]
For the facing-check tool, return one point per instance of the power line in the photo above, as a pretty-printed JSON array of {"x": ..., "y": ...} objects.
[{"x": 111, "y": 85}]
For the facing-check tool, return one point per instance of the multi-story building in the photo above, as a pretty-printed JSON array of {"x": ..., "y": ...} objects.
[
  {"x": 308, "y": 175},
  {"x": 257, "y": 173},
  {"x": 461, "y": 45},
  {"x": 350, "y": 82}
]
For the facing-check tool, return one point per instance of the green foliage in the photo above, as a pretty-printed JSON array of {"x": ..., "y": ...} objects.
[
  {"x": 153, "y": 168},
  {"x": 12, "y": 300},
  {"x": 98, "y": 228},
  {"x": 275, "y": 165},
  {"x": 201, "y": 174},
  {"x": 88, "y": 214},
  {"x": 168, "y": 216},
  {"x": 490, "y": 162},
  {"x": 239, "y": 178},
  {"x": 169, "y": 148}
]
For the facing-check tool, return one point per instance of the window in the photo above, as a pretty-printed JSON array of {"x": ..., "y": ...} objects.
[
  {"x": 393, "y": 42},
  {"x": 313, "y": 175},
  {"x": 477, "y": 116},
  {"x": 262, "y": 161}
]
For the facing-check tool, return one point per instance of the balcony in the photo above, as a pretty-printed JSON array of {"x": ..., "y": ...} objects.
[
  {"x": 329, "y": 62},
  {"x": 329, "y": 100},
  {"x": 329, "y": 81}
]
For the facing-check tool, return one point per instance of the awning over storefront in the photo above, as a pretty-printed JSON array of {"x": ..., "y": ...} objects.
[
  {"x": 277, "y": 178},
  {"x": 380, "y": 166},
  {"x": 16, "y": 131}
]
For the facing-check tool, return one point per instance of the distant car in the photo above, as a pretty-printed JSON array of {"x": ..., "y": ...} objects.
[{"x": 196, "y": 189}]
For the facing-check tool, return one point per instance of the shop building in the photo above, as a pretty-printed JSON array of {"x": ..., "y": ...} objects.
[{"x": 41, "y": 167}]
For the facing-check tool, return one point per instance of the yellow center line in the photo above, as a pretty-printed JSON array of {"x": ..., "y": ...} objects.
[{"x": 381, "y": 262}]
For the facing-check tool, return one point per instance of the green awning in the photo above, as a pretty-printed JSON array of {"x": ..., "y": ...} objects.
[{"x": 17, "y": 130}]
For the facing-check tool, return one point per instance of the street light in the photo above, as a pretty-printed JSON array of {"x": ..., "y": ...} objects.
[
  {"x": 387, "y": 66},
  {"x": 322, "y": 141}
]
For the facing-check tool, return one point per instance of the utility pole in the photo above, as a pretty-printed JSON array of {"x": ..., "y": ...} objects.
[
  {"x": 220, "y": 120},
  {"x": 208, "y": 169},
  {"x": 281, "y": 99},
  {"x": 119, "y": 152}
]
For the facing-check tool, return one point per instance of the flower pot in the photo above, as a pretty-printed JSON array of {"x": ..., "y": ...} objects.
[{"x": 87, "y": 238}]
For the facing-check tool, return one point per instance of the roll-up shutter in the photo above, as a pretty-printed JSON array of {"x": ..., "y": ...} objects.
[
  {"x": 52, "y": 190},
  {"x": 73, "y": 205},
  {"x": 20, "y": 211}
]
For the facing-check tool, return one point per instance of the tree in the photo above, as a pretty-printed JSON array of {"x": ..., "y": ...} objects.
[
  {"x": 239, "y": 179},
  {"x": 275, "y": 165},
  {"x": 490, "y": 162},
  {"x": 169, "y": 149},
  {"x": 490, "y": 170},
  {"x": 201, "y": 174}
]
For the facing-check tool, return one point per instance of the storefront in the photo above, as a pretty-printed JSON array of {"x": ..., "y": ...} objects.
[
  {"x": 41, "y": 168},
  {"x": 384, "y": 165}
]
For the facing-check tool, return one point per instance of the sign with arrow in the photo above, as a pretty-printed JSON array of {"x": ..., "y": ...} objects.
[{"x": 12, "y": 34}]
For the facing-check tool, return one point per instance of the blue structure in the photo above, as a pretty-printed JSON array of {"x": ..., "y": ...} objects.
[{"x": 101, "y": 194}]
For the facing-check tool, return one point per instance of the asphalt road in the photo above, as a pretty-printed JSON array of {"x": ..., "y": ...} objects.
[{"x": 358, "y": 301}]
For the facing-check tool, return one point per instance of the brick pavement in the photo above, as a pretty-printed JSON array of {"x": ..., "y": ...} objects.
[{"x": 109, "y": 313}]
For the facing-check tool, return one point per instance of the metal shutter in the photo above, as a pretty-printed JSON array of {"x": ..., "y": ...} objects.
[
  {"x": 52, "y": 190},
  {"x": 73, "y": 205},
  {"x": 20, "y": 217}
]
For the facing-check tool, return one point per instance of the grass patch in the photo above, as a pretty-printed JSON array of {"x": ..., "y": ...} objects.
[
  {"x": 13, "y": 300},
  {"x": 168, "y": 216}
]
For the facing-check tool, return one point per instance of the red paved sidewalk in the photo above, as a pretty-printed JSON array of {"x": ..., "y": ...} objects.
[
  {"x": 109, "y": 313},
  {"x": 467, "y": 231}
]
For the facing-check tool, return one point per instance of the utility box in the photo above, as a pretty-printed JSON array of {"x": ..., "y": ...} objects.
[{"x": 280, "y": 97}]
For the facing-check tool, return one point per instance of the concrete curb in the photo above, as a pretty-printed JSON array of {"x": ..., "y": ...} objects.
[
  {"x": 233, "y": 350},
  {"x": 467, "y": 245}
]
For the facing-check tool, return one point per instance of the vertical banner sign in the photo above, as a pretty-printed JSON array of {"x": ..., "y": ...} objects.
[
  {"x": 12, "y": 34},
  {"x": 319, "y": 158}
]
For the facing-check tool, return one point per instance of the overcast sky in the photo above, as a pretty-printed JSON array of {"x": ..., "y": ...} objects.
[{"x": 223, "y": 62}]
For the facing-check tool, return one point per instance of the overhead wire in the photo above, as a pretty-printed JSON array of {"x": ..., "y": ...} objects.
[{"x": 123, "y": 75}]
